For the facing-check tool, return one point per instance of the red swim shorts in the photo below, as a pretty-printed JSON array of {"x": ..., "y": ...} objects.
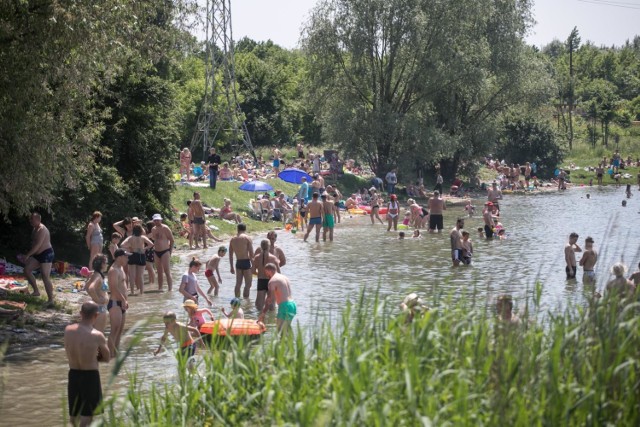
[{"x": 208, "y": 273}]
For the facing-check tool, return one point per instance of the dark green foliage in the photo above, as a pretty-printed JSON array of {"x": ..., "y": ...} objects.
[{"x": 529, "y": 139}]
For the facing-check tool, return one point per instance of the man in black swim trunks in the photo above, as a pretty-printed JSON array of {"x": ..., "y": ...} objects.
[
  {"x": 85, "y": 347},
  {"x": 262, "y": 258},
  {"x": 40, "y": 256},
  {"x": 242, "y": 247}
]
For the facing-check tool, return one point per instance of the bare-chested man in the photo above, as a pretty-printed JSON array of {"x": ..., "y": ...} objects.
[
  {"x": 97, "y": 288},
  {"x": 162, "y": 237},
  {"x": 117, "y": 305},
  {"x": 197, "y": 212},
  {"x": 280, "y": 289},
  {"x": 274, "y": 249},
  {"x": 39, "y": 256},
  {"x": 487, "y": 217},
  {"x": 588, "y": 262},
  {"x": 260, "y": 260},
  {"x": 570, "y": 250},
  {"x": 328, "y": 221},
  {"x": 494, "y": 194},
  {"x": 242, "y": 247},
  {"x": 456, "y": 242},
  {"x": 85, "y": 347},
  {"x": 436, "y": 207},
  {"x": 316, "y": 217}
]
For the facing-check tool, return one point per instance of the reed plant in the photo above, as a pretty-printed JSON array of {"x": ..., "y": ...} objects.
[{"x": 455, "y": 365}]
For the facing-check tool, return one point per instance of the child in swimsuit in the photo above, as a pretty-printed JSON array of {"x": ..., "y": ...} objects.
[
  {"x": 196, "y": 315},
  {"x": 182, "y": 333},
  {"x": 212, "y": 267},
  {"x": 236, "y": 311}
]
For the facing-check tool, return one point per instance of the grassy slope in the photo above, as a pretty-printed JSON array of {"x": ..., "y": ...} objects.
[{"x": 239, "y": 203}]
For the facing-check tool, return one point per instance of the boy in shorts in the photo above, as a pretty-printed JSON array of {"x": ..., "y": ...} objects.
[
  {"x": 212, "y": 267},
  {"x": 182, "y": 333}
]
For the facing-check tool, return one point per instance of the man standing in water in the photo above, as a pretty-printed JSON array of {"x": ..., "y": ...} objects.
[
  {"x": 85, "y": 347},
  {"x": 488, "y": 220},
  {"x": 588, "y": 262},
  {"x": 456, "y": 242},
  {"x": 316, "y": 217},
  {"x": 329, "y": 219},
  {"x": 39, "y": 256},
  {"x": 570, "y": 250},
  {"x": 242, "y": 247},
  {"x": 494, "y": 194},
  {"x": 260, "y": 261},
  {"x": 275, "y": 249},
  {"x": 280, "y": 289},
  {"x": 436, "y": 206},
  {"x": 118, "y": 304},
  {"x": 162, "y": 245}
]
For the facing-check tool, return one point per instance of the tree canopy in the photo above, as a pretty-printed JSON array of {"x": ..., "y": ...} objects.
[{"x": 419, "y": 76}]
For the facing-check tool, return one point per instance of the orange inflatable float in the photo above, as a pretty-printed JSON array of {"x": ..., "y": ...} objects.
[{"x": 234, "y": 328}]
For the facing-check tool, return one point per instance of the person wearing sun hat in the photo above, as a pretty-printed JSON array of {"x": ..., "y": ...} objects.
[
  {"x": 196, "y": 315},
  {"x": 162, "y": 237}
]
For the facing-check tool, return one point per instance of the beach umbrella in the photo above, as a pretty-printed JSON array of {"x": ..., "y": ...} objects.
[
  {"x": 294, "y": 176},
  {"x": 256, "y": 186}
]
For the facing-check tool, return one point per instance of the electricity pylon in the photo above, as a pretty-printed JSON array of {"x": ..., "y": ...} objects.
[{"x": 219, "y": 58}]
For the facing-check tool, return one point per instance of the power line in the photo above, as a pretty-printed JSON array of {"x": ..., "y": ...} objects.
[{"x": 625, "y": 5}]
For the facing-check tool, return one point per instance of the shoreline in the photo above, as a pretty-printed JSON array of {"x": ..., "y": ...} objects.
[{"x": 38, "y": 328}]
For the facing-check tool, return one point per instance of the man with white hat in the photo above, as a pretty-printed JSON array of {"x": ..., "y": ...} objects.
[{"x": 163, "y": 244}]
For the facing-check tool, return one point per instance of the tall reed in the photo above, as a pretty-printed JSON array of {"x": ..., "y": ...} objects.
[{"x": 455, "y": 365}]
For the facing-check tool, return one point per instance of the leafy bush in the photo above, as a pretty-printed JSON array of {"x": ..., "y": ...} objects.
[{"x": 529, "y": 139}]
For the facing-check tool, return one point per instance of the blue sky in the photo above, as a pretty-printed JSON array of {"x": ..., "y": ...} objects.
[{"x": 597, "y": 20}]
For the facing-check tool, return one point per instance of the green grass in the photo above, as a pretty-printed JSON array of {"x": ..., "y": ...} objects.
[
  {"x": 240, "y": 199},
  {"x": 456, "y": 365},
  {"x": 239, "y": 203}
]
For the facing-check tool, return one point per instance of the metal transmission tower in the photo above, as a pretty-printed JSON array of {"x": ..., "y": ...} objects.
[{"x": 219, "y": 56}]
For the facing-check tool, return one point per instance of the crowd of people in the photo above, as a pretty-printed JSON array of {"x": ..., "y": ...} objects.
[{"x": 136, "y": 247}]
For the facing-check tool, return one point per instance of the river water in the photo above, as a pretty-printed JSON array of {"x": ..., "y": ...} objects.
[{"x": 325, "y": 275}]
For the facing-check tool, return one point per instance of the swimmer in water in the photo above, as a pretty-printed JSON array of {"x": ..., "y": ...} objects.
[
  {"x": 588, "y": 196},
  {"x": 401, "y": 235},
  {"x": 416, "y": 234},
  {"x": 624, "y": 203}
]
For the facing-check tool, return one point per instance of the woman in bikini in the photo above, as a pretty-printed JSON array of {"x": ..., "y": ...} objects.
[
  {"x": 226, "y": 213},
  {"x": 137, "y": 245},
  {"x": 375, "y": 206},
  {"x": 185, "y": 162},
  {"x": 97, "y": 288},
  {"x": 94, "y": 238},
  {"x": 393, "y": 210}
]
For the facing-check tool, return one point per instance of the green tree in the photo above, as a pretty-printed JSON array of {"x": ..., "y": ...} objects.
[
  {"x": 423, "y": 76},
  {"x": 56, "y": 58},
  {"x": 573, "y": 42},
  {"x": 526, "y": 138}
]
